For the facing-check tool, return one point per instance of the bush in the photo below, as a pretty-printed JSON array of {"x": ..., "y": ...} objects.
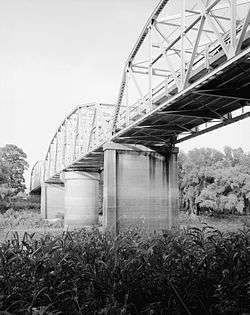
[
  {"x": 190, "y": 271},
  {"x": 14, "y": 219},
  {"x": 4, "y": 206},
  {"x": 27, "y": 219},
  {"x": 19, "y": 204}
]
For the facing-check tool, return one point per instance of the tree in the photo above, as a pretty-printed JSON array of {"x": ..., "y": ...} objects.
[
  {"x": 3, "y": 171},
  {"x": 235, "y": 156},
  {"x": 229, "y": 192},
  {"x": 205, "y": 157},
  {"x": 12, "y": 166},
  {"x": 214, "y": 181},
  {"x": 196, "y": 167}
]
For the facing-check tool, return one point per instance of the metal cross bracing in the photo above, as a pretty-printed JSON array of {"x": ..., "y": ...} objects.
[{"x": 187, "y": 74}]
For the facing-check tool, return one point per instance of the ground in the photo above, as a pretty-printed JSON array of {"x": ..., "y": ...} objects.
[
  {"x": 26, "y": 221},
  {"x": 31, "y": 222},
  {"x": 228, "y": 223}
]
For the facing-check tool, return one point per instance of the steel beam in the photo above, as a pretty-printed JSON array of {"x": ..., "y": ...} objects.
[{"x": 219, "y": 125}]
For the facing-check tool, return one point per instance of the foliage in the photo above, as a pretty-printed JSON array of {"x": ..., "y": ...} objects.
[
  {"x": 14, "y": 219},
  {"x": 12, "y": 166},
  {"x": 215, "y": 182},
  {"x": 228, "y": 223},
  {"x": 19, "y": 204},
  {"x": 3, "y": 170},
  {"x": 190, "y": 271},
  {"x": 24, "y": 220}
]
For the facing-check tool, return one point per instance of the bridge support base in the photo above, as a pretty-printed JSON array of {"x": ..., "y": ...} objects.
[
  {"x": 140, "y": 187},
  {"x": 52, "y": 201},
  {"x": 81, "y": 201}
]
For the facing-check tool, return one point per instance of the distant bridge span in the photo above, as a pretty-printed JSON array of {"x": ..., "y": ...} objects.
[{"x": 187, "y": 74}]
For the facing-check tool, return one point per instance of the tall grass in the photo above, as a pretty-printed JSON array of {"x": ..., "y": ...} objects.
[{"x": 193, "y": 271}]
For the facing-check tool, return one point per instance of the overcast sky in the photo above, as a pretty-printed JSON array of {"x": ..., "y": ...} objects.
[{"x": 56, "y": 54}]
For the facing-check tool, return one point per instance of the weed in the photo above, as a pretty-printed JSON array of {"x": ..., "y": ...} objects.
[{"x": 190, "y": 271}]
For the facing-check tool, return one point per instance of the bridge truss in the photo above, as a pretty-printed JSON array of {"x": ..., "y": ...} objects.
[{"x": 187, "y": 74}]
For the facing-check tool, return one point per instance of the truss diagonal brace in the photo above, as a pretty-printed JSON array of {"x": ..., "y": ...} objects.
[{"x": 224, "y": 123}]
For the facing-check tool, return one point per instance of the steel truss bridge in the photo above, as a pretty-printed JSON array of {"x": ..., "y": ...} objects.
[{"x": 187, "y": 74}]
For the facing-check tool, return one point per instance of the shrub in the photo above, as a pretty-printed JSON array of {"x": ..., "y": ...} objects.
[
  {"x": 14, "y": 219},
  {"x": 28, "y": 219},
  {"x": 19, "y": 204},
  {"x": 189, "y": 271},
  {"x": 4, "y": 206}
]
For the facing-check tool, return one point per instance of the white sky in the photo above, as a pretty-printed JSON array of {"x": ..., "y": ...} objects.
[{"x": 56, "y": 54}]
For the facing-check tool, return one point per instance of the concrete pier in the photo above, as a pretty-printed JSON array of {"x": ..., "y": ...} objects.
[
  {"x": 140, "y": 187},
  {"x": 52, "y": 201},
  {"x": 81, "y": 199}
]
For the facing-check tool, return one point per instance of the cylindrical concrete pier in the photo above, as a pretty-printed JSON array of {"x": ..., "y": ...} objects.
[
  {"x": 52, "y": 200},
  {"x": 81, "y": 199}
]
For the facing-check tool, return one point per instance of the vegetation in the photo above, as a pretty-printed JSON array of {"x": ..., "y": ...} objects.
[
  {"x": 213, "y": 182},
  {"x": 30, "y": 221},
  {"x": 18, "y": 203},
  {"x": 12, "y": 166},
  {"x": 192, "y": 271},
  {"x": 12, "y": 218}
]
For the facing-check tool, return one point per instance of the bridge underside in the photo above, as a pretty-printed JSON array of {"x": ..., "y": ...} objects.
[{"x": 210, "y": 101}]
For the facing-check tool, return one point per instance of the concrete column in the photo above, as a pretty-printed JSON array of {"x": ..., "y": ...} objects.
[
  {"x": 140, "y": 187},
  {"x": 52, "y": 201},
  {"x": 173, "y": 188},
  {"x": 110, "y": 189},
  {"x": 81, "y": 199}
]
